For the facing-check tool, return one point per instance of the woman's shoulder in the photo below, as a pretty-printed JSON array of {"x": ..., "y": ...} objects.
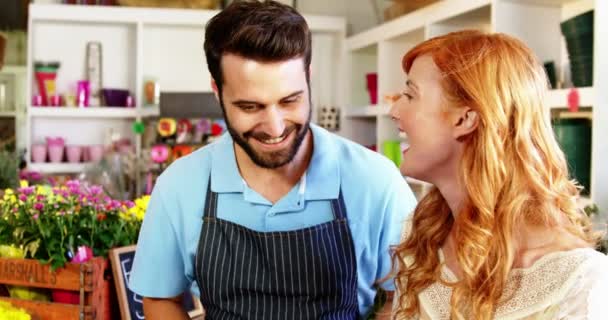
[{"x": 558, "y": 278}]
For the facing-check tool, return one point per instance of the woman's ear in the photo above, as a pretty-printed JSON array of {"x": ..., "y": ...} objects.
[{"x": 465, "y": 121}]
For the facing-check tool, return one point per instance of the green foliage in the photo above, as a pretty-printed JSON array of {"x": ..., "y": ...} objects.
[{"x": 9, "y": 167}]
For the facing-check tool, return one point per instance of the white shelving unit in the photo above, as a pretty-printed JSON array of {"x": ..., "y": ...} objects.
[
  {"x": 17, "y": 111},
  {"x": 60, "y": 167},
  {"x": 137, "y": 43},
  {"x": 91, "y": 112},
  {"x": 536, "y": 22}
]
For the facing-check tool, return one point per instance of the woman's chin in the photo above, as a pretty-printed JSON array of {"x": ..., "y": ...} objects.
[{"x": 405, "y": 170}]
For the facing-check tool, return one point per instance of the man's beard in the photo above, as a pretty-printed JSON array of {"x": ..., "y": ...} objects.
[{"x": 270, "y": 160}]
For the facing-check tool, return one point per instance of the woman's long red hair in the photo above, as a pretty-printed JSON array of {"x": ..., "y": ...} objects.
[{"x": 512, "y": 168}]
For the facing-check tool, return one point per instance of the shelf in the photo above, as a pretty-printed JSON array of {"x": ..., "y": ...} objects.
[
  {"x": 90, "y": 112},
  {"x": 367, "y": 111},
  {"x": 64, "y": 167},
  {"x": 439, "y": 11},
  {"x": 14, "y": 69},
  {"x": 548, "y": 3},
  {"x": 147, "y": 112},
  {"x": 559, "y": 98},
  {"x": 7, "y": 114},
  {"x": 153, "y": 16}
]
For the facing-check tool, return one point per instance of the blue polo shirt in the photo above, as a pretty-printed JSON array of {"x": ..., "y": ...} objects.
[{"x": 377, "y": 200}]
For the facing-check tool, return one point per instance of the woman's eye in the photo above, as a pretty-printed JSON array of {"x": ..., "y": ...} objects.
[{"x": 407, "y": 95}]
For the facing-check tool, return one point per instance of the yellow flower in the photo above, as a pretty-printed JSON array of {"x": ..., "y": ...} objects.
[
  {"x": 23, "y": 184},
  {"x": 8, "y": 191},
  {"x": 44, "y": 190},
  {"x": 139, "y": 215}
]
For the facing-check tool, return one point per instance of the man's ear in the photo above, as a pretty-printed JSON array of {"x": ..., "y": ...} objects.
[
  {"x": 465, "y": 121},
  {"x": 215, "y": 90}
]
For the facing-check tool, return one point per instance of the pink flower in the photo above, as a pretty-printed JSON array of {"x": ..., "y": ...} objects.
[
  {"x": 38, "y": 206},
  {"x": 35, "y": 216},
  {"x": 26, "y": 190},
  {"x": 95, "y": 190},
  {"x": 129, "y": 204},
  {"x": 40, "y": 197},
  {"x": 73, "y": 184},
  {"x": 115, "y": 204},
  {"x": 23, "y": 197}
]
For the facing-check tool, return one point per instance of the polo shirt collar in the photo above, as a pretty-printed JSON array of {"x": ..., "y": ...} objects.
[
  {"x": 225, "y": 175},
  {"x": 322, "y": 175}
]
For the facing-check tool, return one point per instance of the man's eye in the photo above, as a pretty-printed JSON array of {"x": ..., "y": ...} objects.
[
  {"x": 291, "y": 101},
  {"x": 248, "y": 107}
]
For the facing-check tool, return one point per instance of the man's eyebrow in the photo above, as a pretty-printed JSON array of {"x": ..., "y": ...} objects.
[{"x": 297, "y": 93}]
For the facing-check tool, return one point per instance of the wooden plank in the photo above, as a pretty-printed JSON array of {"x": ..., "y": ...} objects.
[
  {"x": 31, "y": 273},
  {"x": 50, "y": 311}
]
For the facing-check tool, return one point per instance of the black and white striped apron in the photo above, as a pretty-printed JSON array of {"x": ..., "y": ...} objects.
[{"x": 309, "y": 273}]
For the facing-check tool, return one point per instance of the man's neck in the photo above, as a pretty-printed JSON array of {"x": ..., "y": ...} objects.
[{"x": 273, "y": 184}]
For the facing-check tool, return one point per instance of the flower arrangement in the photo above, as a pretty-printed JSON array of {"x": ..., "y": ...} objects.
[{"x": 49, "y": 223}]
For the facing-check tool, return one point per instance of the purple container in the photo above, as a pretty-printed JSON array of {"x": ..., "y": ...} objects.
[{"x": 115, "y": 97}]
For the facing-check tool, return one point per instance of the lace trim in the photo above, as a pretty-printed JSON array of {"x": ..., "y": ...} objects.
[{"x": 547, "y": 282}]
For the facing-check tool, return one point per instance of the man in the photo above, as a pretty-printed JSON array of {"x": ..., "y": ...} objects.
[{"x": 279, "y": 219}]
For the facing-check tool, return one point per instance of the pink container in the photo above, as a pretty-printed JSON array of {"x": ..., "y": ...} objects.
[
  {"x": 55, "y": 153},
  {"x": 56, "y": 100},
  {"x": 96, "y": 153},
  {"x": 55, "y": 141},
  {"x": 373, "y": 96},
  {"x": 73, "y": 153},
  {"x": 37, "y": 100},
  {"x": 83, "y": 92},
  {"x": 85, "y": 154},
  {"x": 38, "y": 153},
  {"x": 372, "y": 81}
]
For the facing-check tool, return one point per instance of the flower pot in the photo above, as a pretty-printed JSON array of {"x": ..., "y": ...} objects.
[
  {"x": 38, "y": 153},
  {"x": 74, "y": 153},
  {"x": 56, "y": 153},
  {"x": 96, "y": 153}
]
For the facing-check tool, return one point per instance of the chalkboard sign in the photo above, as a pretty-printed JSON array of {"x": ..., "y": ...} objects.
[{"x": 131, "y": 304}]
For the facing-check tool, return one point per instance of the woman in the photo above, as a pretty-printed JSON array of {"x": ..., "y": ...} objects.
[{"x": 501, "y": 235}]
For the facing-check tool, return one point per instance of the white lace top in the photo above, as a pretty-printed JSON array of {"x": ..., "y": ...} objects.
[{"x": 560, "y": 285}]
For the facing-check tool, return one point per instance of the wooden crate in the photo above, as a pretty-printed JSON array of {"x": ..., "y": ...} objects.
[{"x": 87, "y": 279}]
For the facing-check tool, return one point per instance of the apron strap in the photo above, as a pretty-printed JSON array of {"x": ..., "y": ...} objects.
[
  {"x": 210, "y": 202},
  {"x": 338, "y": 207}
]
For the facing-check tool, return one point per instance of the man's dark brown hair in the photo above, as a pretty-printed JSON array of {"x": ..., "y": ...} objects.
[{"x": 266, "y": 31}]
